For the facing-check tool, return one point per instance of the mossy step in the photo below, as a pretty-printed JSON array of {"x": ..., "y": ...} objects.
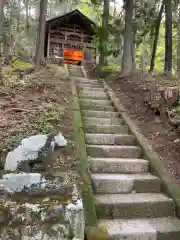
[
  {"x": 113, "y": 151},
  {"x": 140, "y": 205},
  {"x": 99, "y": 114},
  {"x": 93, "y": 85},
  {"x": 102, "y": 121},
  {"x": 94, "y": 95},
  {"x": 92, "y": 102},
  {"x": 85, "y": 106},
  {"x": 109, "y": 139},
  {"x": 90, "y": 89},
  {"x": 142, "y": 228},
  {"x": 84, "y": 80},
  {"x": 118, "y": 165},
  {"x": 125, "y": 183},
  {"x": 97, "y": 128}
]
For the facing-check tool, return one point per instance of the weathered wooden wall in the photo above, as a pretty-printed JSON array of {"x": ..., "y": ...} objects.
[{"x": 72, "y": 36}]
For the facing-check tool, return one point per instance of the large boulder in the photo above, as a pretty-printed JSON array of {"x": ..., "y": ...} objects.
[{"x": 30, "y": 148}]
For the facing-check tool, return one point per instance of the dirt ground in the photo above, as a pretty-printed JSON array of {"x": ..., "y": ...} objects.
[
  {"x": 36, "y": 104},
  {"x": 165, "y": 142}
]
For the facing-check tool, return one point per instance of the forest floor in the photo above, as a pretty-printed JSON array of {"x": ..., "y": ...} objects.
[
  {"x": 165, "y": 142},
  {"x": 36, "y": 104}
]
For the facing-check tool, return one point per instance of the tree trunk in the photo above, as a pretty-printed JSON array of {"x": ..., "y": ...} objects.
[
  {"x": 18, "y": 15},
  {"x": 134, "y": 52},
  {"x": 168, "y": 38},
  {"x": 104, "y": 34},
  {"x": 39, "y": 56},
  {"x": 26, "y": 2},
  {"x": 158, "y": 23},
  {"x": 127, "y": 63},
  {"x": 2, "y": 2},
  {"x": 178, "y": 49}
]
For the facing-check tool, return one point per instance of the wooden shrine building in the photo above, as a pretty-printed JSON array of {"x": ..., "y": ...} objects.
[{"x": 69, "y": 38}]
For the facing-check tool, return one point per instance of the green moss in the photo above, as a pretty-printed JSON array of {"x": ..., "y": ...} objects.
[
  {"x": 111, "y": 68},
  {"x": 82, "y": 161},
  {"x": 18, "y": 64}
]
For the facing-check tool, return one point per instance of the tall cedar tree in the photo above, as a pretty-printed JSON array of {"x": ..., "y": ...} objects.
[
  {"x": 168, "y": 38},
  {"x": 104, "y": 34},
  {"x": 158, "y": 23},
  {"x": 39, "y": 57},
  {"x": 127, "y": 61},
  {"x": 2, "y": 3}
]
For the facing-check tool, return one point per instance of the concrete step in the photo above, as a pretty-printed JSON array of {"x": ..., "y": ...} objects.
[
  {"x": 92, "y": 102},
  {"x": 96, "y": 107},
  {"x": 91, "y": 89},
  {"x": 125, "y": 183},
  {"x": 95, "y": 95},
  {"x": 84, "y": 80},
  {"x": 100, "y": 97},
  {"x": 92, "y": 85},
  {"x": 99, "y": 114},
  {"x": 140, "y": 205},
  {"x": 90, "y": 128},
  {"x": 118, "y": 165},
  {"x": 113, "y": 151},
  {"x": 142, "y": 229},
  {"x": 90, "y": 92},
  {"x": 109, "y": 139},
  {"x": 102, "y": 121}
]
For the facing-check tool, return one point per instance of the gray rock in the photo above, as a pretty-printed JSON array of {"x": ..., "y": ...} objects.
[
  {"x": 30, "y": 148},
  {"x": 16, "y": 182}
]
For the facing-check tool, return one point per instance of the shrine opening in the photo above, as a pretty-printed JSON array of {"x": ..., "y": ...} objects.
[{"x": 69, "y": 39}]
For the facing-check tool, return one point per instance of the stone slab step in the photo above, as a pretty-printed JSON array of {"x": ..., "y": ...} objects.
[
  {"x": 142, "y": 229},
  {"x": 92, "y": 85},
  {"x": 95, "y": 95},
  {"x": 91, "y": 89},
  {"x": 90, "y": 92},
  {"x": 102, "y": 121},
  {"x": 96, "y": 107},
  {"x": 118, "y": 165},
  {"x": 91, "y": 102},
  {"x": 84, "y": 80},
  {"x": 140, "y": 205},
  {"x": 99, "y": 114},
  {"x": 113, "y": 151},
  {"x": 90, "y": 128},
  {"x": 109, "y": 139},
  {"x": 125, "y": 183}
]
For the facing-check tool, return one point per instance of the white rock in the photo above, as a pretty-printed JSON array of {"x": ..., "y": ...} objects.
[
  {"x": 60, "y": 141},
  {"x": 30, "y": 148},
  {"x": 16, "y": 182},
  {"x": 75, "y": 216}
]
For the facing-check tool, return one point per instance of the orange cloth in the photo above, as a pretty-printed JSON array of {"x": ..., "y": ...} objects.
[{"x": 73, "y": 56}]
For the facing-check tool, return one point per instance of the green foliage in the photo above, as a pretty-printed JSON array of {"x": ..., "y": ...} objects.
[
  {"x": 18, "y": 64},
  {"x": 111, "y": 68},
  {"x": 48, "y": 119}
]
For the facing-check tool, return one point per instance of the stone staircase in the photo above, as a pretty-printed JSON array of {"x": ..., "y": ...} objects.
[
  {"x": 75, "y": 70},
  {"x": 128, "y": 198}
]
